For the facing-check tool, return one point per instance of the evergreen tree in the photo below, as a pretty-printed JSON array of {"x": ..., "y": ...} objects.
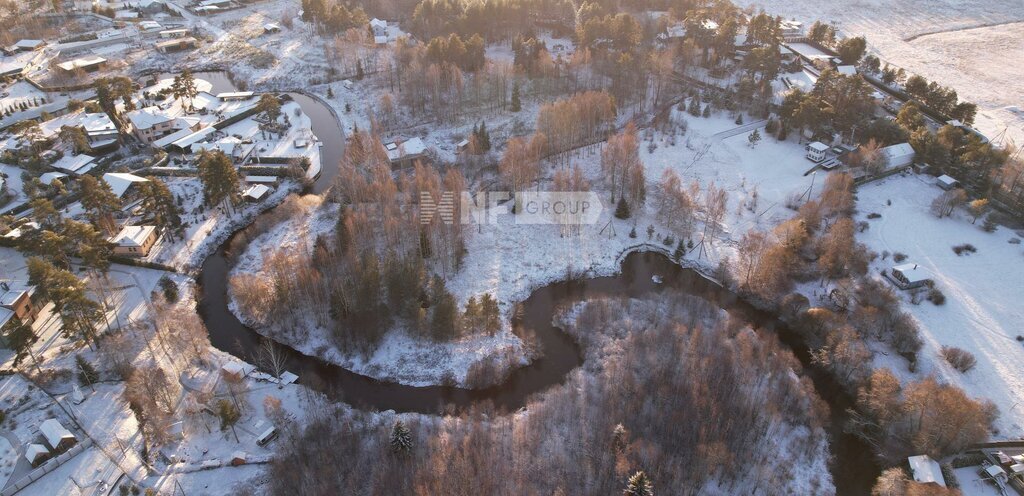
[
  {"x": 219, "y": 177},
  {"x": 754, "y": 138},
  {"x": 444, "y": 312},
  {"x": 707, "y": 110},
  {"x": 739, "y": 118},
  {"x": 639, "y": 485},
  {"x": 330, "y": 92},
  {"x": 184, "y": 87},
  {"x": 401, "y": 439},
  {"x": 100, "y": 203},
  {"x": 87, "y": 375},
  {"x": 632, "y": 232},
  {"x": 158, "y": 201},
  {"x": 269, "y": 106},
  {"x": 622, "y": 209},
  {"x": 516, "y": 104},
  {"x": 169, "y": 288},
  {"x": 344, "y": 237},
  {"x": 483, "y": 138},
  {"x": 359, "y": 70},
  {"x": 694, "y": 107},
  {"x": 490, "y": 314},
  {"x": 680, "y": 251},
  {"x": 20, "y": 340},
  {"x": 990, "y": 224}
]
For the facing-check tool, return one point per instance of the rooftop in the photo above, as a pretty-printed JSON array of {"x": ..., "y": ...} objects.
[
  {"x": 133, "y": 236},
  {"x": 120, "y": 182}
]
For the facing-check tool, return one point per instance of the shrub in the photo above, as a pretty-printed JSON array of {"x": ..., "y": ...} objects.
[
  {"x": 964, "y": 248},
  {"x": 935, "y": 296},
  {"x": 960, "y": 359},
  {"x": 899, "y": 257},
  {"x": 874, "y": 215},
  {"x": 169, "y": 288}
]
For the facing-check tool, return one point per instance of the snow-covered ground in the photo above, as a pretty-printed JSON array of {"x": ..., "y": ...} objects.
[
  {"x": 207, "y": 228},
  {"x": 984, "y": 291},
  {"x": 970, "y": 45}
]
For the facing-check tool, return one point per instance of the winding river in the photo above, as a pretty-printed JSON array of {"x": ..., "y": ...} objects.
[{"x": 853, "y": 468}]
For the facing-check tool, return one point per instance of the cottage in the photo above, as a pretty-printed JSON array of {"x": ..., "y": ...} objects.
[
  {"x": 152, "y": 123},
  {"x": 75, "y": 165},
  {"x": 403, "y": 154},
  {"x": 816, "y": 151},
  {"x": 88, "y": 64},
  {"x": 271, "y": 27},
  {"x": 36, "y": 454},
  {"x": 135, "y": 241},
  {"x": 56, "y": 435},
  {"x": 122, "y": 183},
  {"x": 947, "y": 183},
  {"x": 909, "y": 276},
  {"x": 24, "y": 46},
  {"x": 50, "y": 177},
  {"x": 925, "y": 470}
]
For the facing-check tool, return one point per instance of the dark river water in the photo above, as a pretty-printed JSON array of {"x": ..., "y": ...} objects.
[{"x": 853, "y": 467}]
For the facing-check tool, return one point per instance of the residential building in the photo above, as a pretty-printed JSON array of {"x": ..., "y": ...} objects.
[
  {"x": 91, "y": 63},
  {"x": 908, "y": 276},
  {"x": 135, "y": 241},
  {"x": 404, "y": 153},
  {"x": 925, "y": 470},
  {"x": 123, "y": 184},
  {"x": 56, "y": 435},
  {"x": 18, "y": 302},
  {"x": 816, "y": 151},
  {"x": 898, "y": 155}
]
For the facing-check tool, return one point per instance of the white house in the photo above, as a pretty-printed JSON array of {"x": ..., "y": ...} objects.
[
  {"x": 925, "y": 470},
  {"x": 36, "y": 454},
  {"x": 402, "y": 154},
  {"x": 87, "y": 64},
  {"x": 271, "y": 27},
  {"x": 56, "y": 435},
  {"x": 816, "y": 151},
  {"x": 75, "y": 164},
  {"x": 256, "y": 192},
  {"x": 899, "y": 155},
  {"x": 380, "y": 30}
]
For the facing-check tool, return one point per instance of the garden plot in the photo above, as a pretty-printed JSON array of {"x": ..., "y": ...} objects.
[{"x": 982, "y": 311}]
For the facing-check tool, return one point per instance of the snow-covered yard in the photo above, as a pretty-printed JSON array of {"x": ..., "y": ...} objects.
[{"x": 984, "y": 291}]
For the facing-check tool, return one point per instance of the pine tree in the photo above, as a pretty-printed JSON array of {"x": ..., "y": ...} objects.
[
  {"x": 219, "y": 177},
  {"x": 632, "y": 232},
  {"x": 694, "y": 108},
  {"x": 739, "y": 119},
  {"x": 516, "y": 104},
  {"x": 484, "y": 138},
  {"x": 707, "y": 110},
  {"x": 754, "y": 138},
  {"x": 87, "y": 375},
  {"x": 680, "y": 251},
  {"x": 359, "y": 70},
  {"x": 401, "y": 439},
  {"x": 622, "y": 209},
  {"x": 344, "y": 237},
  {"x": 330, "y": 92},
  {"x": 990, "y": 224},
  {"x": 639, "y": 485}
]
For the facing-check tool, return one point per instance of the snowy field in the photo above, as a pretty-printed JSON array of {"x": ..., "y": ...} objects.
[
  {"x": 972, "y": 46},
  {"x": 983, "y": 311}
]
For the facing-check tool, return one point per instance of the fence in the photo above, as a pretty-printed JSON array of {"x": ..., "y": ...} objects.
[{"x": 47, "y": 467}]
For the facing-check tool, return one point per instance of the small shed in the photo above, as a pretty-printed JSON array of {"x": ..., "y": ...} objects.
[
  {"x": 909, "y": 276},
  {"x": 995, "y": 472},
  {"x": 238, "y": 458},
  {"x": 816, "y": 151},
  {"x": 947, "y": 183},
  {"x": 56, "y": 435},
  {"x": 271, "y": 27},
  {"x": 899, "y": 155},
  {"x": 36, "y": 454},
  {"x": 925, "y": 470}
]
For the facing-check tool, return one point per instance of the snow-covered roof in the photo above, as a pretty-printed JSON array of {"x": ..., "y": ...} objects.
[
  {"x": 946, "y": 180},
  {"x": 120, "y": 181},
  {"x": 995, "y": 471},
  {"x": 818, "y": 146},
  {"x": 11, "y": 291},
  {"x": 6, "y": 316},
  {"x": 847, "y": 70},
  {"x": 261, "y": 179},
  {"x": 898, "y": 151},
  {"x": 149, "y": 25},
  {"x": 193, "y": 138},
  {"x": 234, "y": 95},
  {"x": 133, "y": 236},
  {"x": 271, "y": 26},
  {"x": 256, "y": 191},
  {"x": 18, "y": 231},
  {"x": 29, "y": 44},
  {"x": 410, "y": 147},
  {"x": 925, "y": 470},
  {"x": 75, "y": 164},
  {"x": 49, "y": 177},
  {"x": 378, "y": 23},
  {"x": 81, "y": 62},
  {"x": 173, "y": 31},
  {"x": 54, "y": 432},
  {"x": 35, "y": 451},
  {"x": 148, "y": 117},
  {"x": 912, "y": 272}
]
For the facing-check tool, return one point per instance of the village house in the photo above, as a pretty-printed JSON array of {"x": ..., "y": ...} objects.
[
  {"x": 908, "y": 276},
  {"x": 380, "y": 30},
  {"x": 18, "y": 303},
  {"x": 135, "y": 241},
  {"x": 91, "y": 63},
  {"x": 24, "y": 46},
  {"x": 816, "y": 151},
  {"x": 123, "y": 184},
  {"x": 36, "y": 454},
  {"x": 59, "y": 438},
  {"x": 174, "y": 33},
  {"x": 898, "y": 155},
  {"x": 255, "y": 193},
  {"x": 75, "y": 165},
  {"x": 402, "y": 154},
  {"x": 152, "y": 123},
  {"x": 947, "y": 182}
]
